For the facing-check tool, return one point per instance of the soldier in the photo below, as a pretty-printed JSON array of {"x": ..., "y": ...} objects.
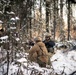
[
  {"x": 49, "y": 43},
  {"x": 38, "y": 53}
]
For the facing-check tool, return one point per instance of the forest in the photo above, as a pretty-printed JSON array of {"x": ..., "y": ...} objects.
[{"x": 22, "y": 20}]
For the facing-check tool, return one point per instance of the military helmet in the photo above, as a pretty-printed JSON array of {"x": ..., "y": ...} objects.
[
  {"x": 47, "y": 36},
  {"x": 38, "y": 39}
]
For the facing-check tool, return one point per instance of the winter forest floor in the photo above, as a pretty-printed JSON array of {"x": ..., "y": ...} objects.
[{"x": 61, "y": 63}]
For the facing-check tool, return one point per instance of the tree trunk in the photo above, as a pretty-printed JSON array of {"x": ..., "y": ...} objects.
[
  {"x": 68, "y": 20},
  {"x": 54, "y": 22},
  {"x": 47, "y": 15}
]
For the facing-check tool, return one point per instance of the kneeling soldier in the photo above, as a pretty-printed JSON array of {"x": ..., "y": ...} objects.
[{"x": 38, "y": 53}]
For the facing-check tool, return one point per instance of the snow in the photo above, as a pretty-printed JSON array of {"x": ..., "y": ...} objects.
[
  {"x": 1, "y": 12},
  {"x": 3, "y": 69},
  {"x": 12, "y": 27},
  {"x": 4, "y": 37},
  {"x": 12, "y": 13},
  {"x": 27, "y": 68},
  {"x": 1, "y": 22},
  {"x": 12, "y": 19},
  {"x": 13, "y": 69},
  {"x": 22, "y": 60},
  {"x": 17, "y": 18},
  {"x": 17, "y": 39},
  {"x": 62, "y": 62}
]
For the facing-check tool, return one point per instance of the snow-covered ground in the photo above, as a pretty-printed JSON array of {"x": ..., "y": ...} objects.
[
  {"x": 25, "y": 67},
  {"x": 62, "y": 63}
]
